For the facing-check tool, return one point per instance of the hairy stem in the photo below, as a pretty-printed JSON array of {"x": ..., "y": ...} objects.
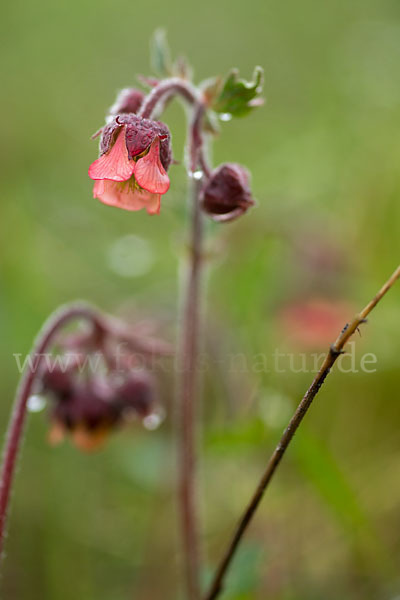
[
  {"x": 186, "y": 405},
  {"x": 169, "y": 87},
  {"x": 334, "y": 352},
  {"x": 15, "y": 428},
  {"x": 176, "y": 86},
  {"x": 187, "y": 385},
  {"x": 189, "y": 325}
]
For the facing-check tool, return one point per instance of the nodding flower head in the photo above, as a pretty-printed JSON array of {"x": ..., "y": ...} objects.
[
  {"x": 88, "y": 409},
  {"x": 226, "y": 195},
  {"x": 128, "y": 100},
  {"x": 135, "y": 154}
]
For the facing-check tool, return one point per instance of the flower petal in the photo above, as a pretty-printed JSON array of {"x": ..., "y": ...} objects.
[
  {"x": 149, "y": 172},
  {"x": 115, "y": 164},
  {"x": 88, "y": 440},
  {"x": 125, "y": 196},
  {"x": 56, "y": 433}
]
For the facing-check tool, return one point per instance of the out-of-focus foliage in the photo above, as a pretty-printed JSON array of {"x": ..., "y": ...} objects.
[
  {"x": 324, "y": 156},
  {"x": 238, "y": 96}
]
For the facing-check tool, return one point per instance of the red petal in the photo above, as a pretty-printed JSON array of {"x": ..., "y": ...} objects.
[
  {"x": 126, "y": 196},
  {"x": 149, "y": 172},
  {"x": 115, "y": 164}
]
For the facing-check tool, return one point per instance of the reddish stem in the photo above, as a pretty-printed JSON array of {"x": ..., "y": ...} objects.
[
  {"x": 169, "y": 87},
  {"x": 15, "y": 428},
  {"x": 188, "y": 356},
  {"x": 188, "y": 350},
  {"x": 176, "y": 86}
]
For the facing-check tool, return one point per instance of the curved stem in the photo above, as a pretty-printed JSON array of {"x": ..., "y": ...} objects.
[
  {"x": 176, "y": 86},
  {"x": 335, "y": 351},
  {"x": 15, "y": 428},
  {"x": 188, "y": 349},
  {"x": 168, "y": 87}
]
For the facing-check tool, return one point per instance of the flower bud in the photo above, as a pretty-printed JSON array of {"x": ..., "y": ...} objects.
[
  {"x": 136, "y": 394},
  {"x": 128, "y": 100},
  {"x": 226, "y": 195},
  {"x": 57, "y": 381},
  {"x": 87, "y": 413}
]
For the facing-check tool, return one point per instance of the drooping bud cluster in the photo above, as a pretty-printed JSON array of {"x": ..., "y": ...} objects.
[
  {"x": 226, "y": 195},
  {"x": 91, "y": 391},
  {"x": 89, "y": 408}
]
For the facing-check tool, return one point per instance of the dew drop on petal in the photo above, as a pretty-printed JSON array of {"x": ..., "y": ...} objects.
[
  {"x": 154, "y": 420},
  {"x": 130, "y": 256},
  {"x": 36, "y": 403}
]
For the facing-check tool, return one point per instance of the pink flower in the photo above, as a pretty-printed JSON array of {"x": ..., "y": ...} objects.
[
  {"x": 315, "y": 322},
  {"x": 131, "y": 172}
]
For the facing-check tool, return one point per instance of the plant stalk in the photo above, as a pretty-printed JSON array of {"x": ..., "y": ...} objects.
[
  {"x": 187, "y": 400},
  {"x": 189, "y": 327},
  {"x": 16, "y": 424}
]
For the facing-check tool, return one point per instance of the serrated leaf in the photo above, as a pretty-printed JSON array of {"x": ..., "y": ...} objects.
[
  {"x": 239, "y": 96},
  {"x": 160, "y": 55}
]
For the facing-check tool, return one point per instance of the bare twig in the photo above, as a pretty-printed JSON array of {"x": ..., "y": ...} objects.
[{"x": 334, "y": 352}]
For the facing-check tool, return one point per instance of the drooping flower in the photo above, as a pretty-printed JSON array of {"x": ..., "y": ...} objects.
[
  {"x": 87, "y": 410},
  {"x": 226, "y": 195},
  {"x": 131, "y": 172}
]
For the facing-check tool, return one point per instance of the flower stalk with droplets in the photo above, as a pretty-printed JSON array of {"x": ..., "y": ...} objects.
[{"x": 134, "y": 179}]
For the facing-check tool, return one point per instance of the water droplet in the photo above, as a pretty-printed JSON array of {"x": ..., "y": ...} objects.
[
  {"x": 197, "y": 175},
  {"x": 36, "y": 403},
  {"x": 154, "y": 420},
  {"x": 225, "y": 116},
  {"x": 130, "y": 256}
]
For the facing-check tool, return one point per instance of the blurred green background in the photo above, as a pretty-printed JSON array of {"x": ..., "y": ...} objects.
[{"x": 324, "y": 156}]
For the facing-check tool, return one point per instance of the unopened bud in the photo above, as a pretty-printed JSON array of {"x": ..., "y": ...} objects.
[{"x": 226, "y": 195}]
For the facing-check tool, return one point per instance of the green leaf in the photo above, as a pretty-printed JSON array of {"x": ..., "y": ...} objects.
[
  {"x": 324, "y": 473},
  {"x": 160, "y": 55},
  {"x": 239, "y": 96}
]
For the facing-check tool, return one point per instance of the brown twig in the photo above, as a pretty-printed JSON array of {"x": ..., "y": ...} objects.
[{"x": 334, "y": 352}]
